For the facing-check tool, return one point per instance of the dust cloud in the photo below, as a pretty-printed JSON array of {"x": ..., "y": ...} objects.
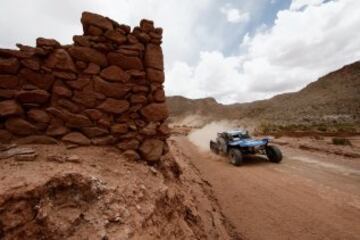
[{"x": 201, "y": 137}]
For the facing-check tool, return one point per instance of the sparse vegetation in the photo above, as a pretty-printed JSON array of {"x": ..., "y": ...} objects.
[{"x": 341, "y": 141}]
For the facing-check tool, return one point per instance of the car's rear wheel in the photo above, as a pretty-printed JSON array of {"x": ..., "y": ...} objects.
[
  {"x": 213, "y": 147},
  {"x": 235, "y": 157},
  {"x": 274, "y": 154}
]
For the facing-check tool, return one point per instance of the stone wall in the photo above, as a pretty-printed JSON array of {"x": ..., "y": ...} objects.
[{"x": 104, "y": 89}]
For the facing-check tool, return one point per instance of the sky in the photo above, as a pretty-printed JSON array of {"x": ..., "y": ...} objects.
[{"x": 232, "y": 50}]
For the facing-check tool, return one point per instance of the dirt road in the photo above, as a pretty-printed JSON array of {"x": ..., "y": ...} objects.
[{"x": 308, "y": 196}]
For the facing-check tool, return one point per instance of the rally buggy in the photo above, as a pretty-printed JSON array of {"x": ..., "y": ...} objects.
[{"x": 237, "y": 143}]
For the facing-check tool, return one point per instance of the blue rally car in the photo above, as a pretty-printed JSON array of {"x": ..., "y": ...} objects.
[{"x": 237, "y": 143}]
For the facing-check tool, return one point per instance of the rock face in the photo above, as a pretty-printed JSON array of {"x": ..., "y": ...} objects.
[{"x": 104, "y": 89}]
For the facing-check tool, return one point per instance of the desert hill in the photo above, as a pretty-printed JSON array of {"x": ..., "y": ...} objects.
[{"x": 333, "y": 98}]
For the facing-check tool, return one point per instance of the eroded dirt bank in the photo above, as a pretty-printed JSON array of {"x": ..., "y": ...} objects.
[
  {"x": 310, "y": 195},
  {"x": 94, "y": 193}
]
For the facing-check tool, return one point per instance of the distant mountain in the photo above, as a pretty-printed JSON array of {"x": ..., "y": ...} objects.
[{"x": 332, "y": 98}]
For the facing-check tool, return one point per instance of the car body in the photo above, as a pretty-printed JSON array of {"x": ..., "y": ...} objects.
[{"x": 236, "y": 143}]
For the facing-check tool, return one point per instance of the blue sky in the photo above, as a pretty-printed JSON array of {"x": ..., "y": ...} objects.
[{"x": 234, "y": 50}]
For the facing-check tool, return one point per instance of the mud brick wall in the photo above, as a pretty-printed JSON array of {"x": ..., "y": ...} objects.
[{"x": 104, "y": 89}]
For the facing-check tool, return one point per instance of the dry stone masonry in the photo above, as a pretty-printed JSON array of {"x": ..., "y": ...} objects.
[{"x": 106, "y": 88}]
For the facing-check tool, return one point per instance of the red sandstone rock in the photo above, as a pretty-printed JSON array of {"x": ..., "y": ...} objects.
[
  {"x": 20, "y": 126},
  {"x": 150, "y": 129},
  {"x": 138, "y": 98},
  {"x": 7, "y": 93},
  {"x": 38, "y": 115},
  {"x": 155, "y": 112},
  {"x": 155, "y": 75},
  {"x": 65, "y": 75},
  {"x": 131, "y": 155},
  {"x": 94, "y": 31},
  {"x": 146, "y": 25},
  {"x": 9, "y": 65},
  {"x": 68, "y": 105},
  {"x": 114, "y": 90},
  {"x": 125, "y": 62},
  {"x": 92, "y": 69},
  {"x": 56, "y": 128},
  {"x": 132, "y": 144},
  {"x": 80, "y": 83},
  {"x": 164, "y": 129},
  {"x": 102, "y": 141},
  {"x": 81, "y": 41},
  {"x": 9, "y": 108},
  {"x": 88, "y": 55},
  {"x": 8, "y": 81},
  {"x": 151, "y": 150},
  {"x": 33, "y": 96},
  {"x": 44, "y": 42},
  {"x": 60, "y": 59},
  {"x": 62, "y": 91},
  {"x": 88, "y": 18},
  {"x": 154, "y": 57},
  {"x": 32, "y": 63},
  {"x": 159, "y": 95},
  {"x": 37, "y": 139},
  {"x": 86, "y": 97},
  {"x": 77, "y": 138},
  {"x": 116, "y": 36},
  {"x": 92, "y": 132},
  {"x": 94, "y": 114},
  {"x": 114, "y": 73},
  {"x": 139, "y": 88},
  {"x": 40, "y": 80},
  {"x": 5, "y": 136},
  {"x": 114, "y": 106},
  {"x": 119, "y": 128}
]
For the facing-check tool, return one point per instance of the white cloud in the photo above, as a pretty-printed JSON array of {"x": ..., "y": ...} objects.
[
  {"x": 235, "y": 15},
  {"x": 299, "y": 48},
  {"x": 299, "y": 4}
]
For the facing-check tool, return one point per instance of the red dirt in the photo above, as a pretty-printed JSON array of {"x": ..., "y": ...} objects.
[{"x": 310, "y": 195}]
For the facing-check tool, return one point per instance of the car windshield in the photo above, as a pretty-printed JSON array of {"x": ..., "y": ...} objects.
[{"x": 239, "y": 136}]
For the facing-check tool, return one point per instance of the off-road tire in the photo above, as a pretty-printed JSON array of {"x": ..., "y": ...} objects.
[
  {"x": 274, "y": 154},
  {"x": 235, "y": 157},
  {"x": 213, "y": 147}
]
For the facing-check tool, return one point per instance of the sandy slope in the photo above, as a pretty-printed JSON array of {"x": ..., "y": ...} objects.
[{"x": 309, "y": 195}]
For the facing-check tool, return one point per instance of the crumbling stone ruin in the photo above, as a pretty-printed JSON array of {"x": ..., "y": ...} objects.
[{"x": 104, "y": 89}]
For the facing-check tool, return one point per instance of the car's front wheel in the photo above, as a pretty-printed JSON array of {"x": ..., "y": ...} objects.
[
  {"x": 235, "y": 157},
  {"x": 274, "y": 154}
]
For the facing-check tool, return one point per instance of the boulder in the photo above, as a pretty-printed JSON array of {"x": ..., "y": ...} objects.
[
  {"x": 62, "y": 91},
  {"x": 146, "y": 25},
  {"x": 86, "y": 97},
  {"x": 9, "y": 65},
  {"x": 20, "y": 126},
  {"x": 114, "y": 106},
  {"x": 40, "y": 80},
  {"x": 159, "y": 95},
  {"x": 132, "y": 144},
  {"x": 88, "y": 55},
  {"x": 97, "y": 20},
  {"x": 116, "y": 36},
  {"x": 92, "y": 132},
  {"x": 8, "y": 81},
  {"x": 76, "y": 138},
  {"x": 154, "y": 57},
  {"x": 60, "y": 59},
  {"x": 114, "y": 90},
  {"x": 10, "y": 108},
  {"x": 94, "y": 31},
  {"x": 92, "y": 69},
  {"x": 69, "y": 105},
  {"x": 138, "y": 98},
  {"x": 32, "y": 63},
  {"x": 5, "y": 136},
  {"x": 33, "y": 96},
  {"x": 65, "y": 75},
  {"x": 152, "y": 149},
  {"x": 120, "y": 128},
  {"x": 131, "y": 155},
  {"x": 46, "y": 42},
  {"x": 37, "y": 139},
  {"x": 102, "y": 141},
  {"x": 38, "y": 115},
  {"x": 56, "y": 128},
  {"x": 155, "y": 75},
  {"x": 115, "y": 73},
  {"x": 125, "y": 62},
  {"x": 150, "y": 129},
  {"x": 80, "y": 83},
  {"x": 155, "y": 112},
  {"x": 94, "y": 114}
]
